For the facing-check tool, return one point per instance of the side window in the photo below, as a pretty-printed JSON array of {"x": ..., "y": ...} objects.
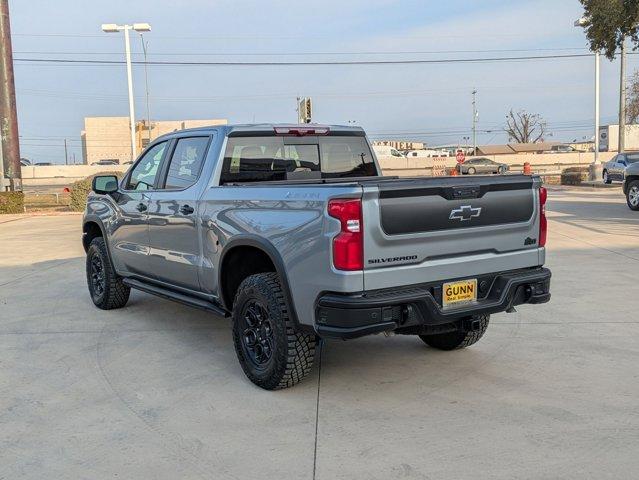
[
  {"x": 186, "y": 162},
  {"x": 143, "y": 175}
]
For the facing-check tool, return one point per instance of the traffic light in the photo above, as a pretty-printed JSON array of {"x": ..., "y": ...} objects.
[{"x": 305, "y": 110}]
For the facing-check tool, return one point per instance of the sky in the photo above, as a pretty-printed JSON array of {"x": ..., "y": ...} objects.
[{"x": 428, "y": 102}]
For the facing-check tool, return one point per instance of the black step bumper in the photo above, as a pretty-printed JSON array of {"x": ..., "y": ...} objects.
[{"x": 407, "y": 309}]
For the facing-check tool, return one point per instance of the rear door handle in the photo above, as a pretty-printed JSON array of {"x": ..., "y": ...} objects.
[
  {"x": 186, "y": 209},
  {"x": 141, "y": 207}
]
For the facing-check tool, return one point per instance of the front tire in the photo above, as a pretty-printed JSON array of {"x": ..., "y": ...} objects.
[
  {"x": 606, "y": 178},
  {"x": 105, "y": 286},
  {"x": 632, "y": 195},
  {"x": 457, "y": 339},
  {"x": 471, "y": 171},
  {"x": 271, "y": 351}
]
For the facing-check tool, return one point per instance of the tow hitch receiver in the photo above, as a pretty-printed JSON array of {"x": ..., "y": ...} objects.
[{"x": 471, "y": 325}]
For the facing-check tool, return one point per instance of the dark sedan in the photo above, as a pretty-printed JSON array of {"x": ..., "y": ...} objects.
[{"x": 481, "y": 165}]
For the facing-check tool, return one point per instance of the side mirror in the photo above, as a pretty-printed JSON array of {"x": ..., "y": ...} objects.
[{"x": 105, "y": 184}]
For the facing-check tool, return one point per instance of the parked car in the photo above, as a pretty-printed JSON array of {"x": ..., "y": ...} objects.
[
  {"x": 293, "y": 233},
  {"x": 563, "y": 149},
  {"x": 613, "y": 170},
  {"x": 25, "y": 162},
  {"x": 631, "y": 185},
  {"x": 42, "y": 164},
  {"x": 481, "y": 165},
  {"x": 107, "y": 162}
]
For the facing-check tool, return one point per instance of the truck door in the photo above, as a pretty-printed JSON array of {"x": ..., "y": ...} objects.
[
  {"x": 174, "y": 255},
  {"x": 129, "y": 240}
]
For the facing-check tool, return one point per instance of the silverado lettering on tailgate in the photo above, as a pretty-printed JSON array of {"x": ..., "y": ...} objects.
[{"x": 405, "y": 258}]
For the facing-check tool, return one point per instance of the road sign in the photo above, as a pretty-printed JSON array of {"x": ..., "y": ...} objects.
[{"x": 460, "y": 156}]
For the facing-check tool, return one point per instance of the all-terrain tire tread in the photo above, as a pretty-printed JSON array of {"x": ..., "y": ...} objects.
[
  {"x": 116, "y": 293},
  {"x": 300, "y": 347},
  {"x": 457, "y": 340}
]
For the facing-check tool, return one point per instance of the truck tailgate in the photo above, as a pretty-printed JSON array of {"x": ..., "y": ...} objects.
[{"x": 428, "y": 229}]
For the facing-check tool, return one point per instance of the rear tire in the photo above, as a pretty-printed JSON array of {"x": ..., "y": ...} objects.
[
  {"x": 458, "y": 339},
  {"x": 271, "y": 351},
  {"x": 606, "y": 178},
  {"x": 632, "y": 195},
  {"x": 105, "y": 286}
]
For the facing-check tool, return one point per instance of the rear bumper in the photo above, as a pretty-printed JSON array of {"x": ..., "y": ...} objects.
[{"x": 409, "y": 309}]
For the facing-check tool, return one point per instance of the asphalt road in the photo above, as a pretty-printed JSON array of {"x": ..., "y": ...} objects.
[{"x": 154, "y": 390}]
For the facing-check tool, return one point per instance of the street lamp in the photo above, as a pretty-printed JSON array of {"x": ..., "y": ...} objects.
[
  {"x": 138, "y": 27},
  {"x": 583, "y": 22}
]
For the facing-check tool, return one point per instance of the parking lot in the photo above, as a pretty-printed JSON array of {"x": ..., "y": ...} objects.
[{"x": 154, "y": 390}]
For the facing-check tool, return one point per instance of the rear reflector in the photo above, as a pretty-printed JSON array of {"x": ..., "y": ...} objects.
[
  {"x": 348, "y": 245},
  {"x": 301, "y": 131},
  {"x": 543, "y": 223}
]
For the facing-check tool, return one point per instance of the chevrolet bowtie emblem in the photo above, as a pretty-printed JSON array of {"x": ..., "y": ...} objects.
[{"x": 464, "y": 213}]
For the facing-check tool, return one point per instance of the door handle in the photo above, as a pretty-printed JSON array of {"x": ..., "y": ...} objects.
[
  {"x": 186, "y": 209},
  {"x": 141, "y": 207}
]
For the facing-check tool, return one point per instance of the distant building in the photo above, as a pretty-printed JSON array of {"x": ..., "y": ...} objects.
[
  {"x": 400, "y": 144},
  {"x": 109, "y": 138},
  {"x": 515, "y": 148}
]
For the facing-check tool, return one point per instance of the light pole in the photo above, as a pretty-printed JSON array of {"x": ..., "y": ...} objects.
[
  {"x": 582, "y": 22},
  {"x": 475, "y": 115},
  {"x": 146, "y": 83},
  {"x": 138, "y": 27}
]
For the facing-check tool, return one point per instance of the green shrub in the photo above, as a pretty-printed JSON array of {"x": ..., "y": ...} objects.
[
  {"x": 11, "y": 202},
  {"x": 574, "y": 175},
  {"x": 80, "y": 191}
]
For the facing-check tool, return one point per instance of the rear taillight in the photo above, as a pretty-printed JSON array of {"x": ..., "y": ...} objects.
[
  {"x": 543, "y": 223},
  {"x": 348, "y": 245}
]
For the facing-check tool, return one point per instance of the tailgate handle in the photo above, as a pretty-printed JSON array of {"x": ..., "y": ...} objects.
[{"x": 465, "y": 192}]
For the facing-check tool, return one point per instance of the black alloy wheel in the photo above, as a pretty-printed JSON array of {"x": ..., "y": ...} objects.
[
  {"x": 96, "y": 267},
  {"x": 257, "y": 334}
]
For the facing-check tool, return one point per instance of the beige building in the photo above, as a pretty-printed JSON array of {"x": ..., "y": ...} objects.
[
  {"x": 400, "y": 144},
  {"x": 108, "y": 138}
]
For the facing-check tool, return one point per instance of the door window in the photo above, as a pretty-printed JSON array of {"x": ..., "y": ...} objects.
[
  {"x": 186, "y": 162},
  {"x": 145, "y": 171}
]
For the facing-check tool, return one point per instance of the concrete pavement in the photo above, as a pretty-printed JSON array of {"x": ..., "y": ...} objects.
[{"x": 154, "y": 390}]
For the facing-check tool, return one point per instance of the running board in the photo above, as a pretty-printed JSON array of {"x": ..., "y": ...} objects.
[{"x": 175, "y": 296}]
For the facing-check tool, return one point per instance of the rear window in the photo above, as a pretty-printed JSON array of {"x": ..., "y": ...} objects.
[
  {"x": 632, "y": 157},
  {"x": 269, "y": 158}
]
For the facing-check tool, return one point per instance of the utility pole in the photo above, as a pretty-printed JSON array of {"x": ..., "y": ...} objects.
[
  {"x": 596, "y": 159},
  {"x": 622, "y": 98},
  {"x": 474, "y": 121},
  {"x": 66, "y": 154},
  {"x": 8, "y": 112}
]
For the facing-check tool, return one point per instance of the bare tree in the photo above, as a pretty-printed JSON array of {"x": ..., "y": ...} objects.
[
  {"x": 632, "y": 102},
  {"x": 524, "y": 127}
]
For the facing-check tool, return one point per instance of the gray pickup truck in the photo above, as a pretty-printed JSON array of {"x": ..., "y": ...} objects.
[{"x": 293, "y": 233}]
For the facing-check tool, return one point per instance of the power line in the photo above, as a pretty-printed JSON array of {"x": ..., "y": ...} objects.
[
  {"x": 310, "y": 63},
  {"x": 341, "y": 53}
]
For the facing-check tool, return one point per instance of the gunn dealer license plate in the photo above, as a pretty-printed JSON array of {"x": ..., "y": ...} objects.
[{"x": 455, "y": 293}]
